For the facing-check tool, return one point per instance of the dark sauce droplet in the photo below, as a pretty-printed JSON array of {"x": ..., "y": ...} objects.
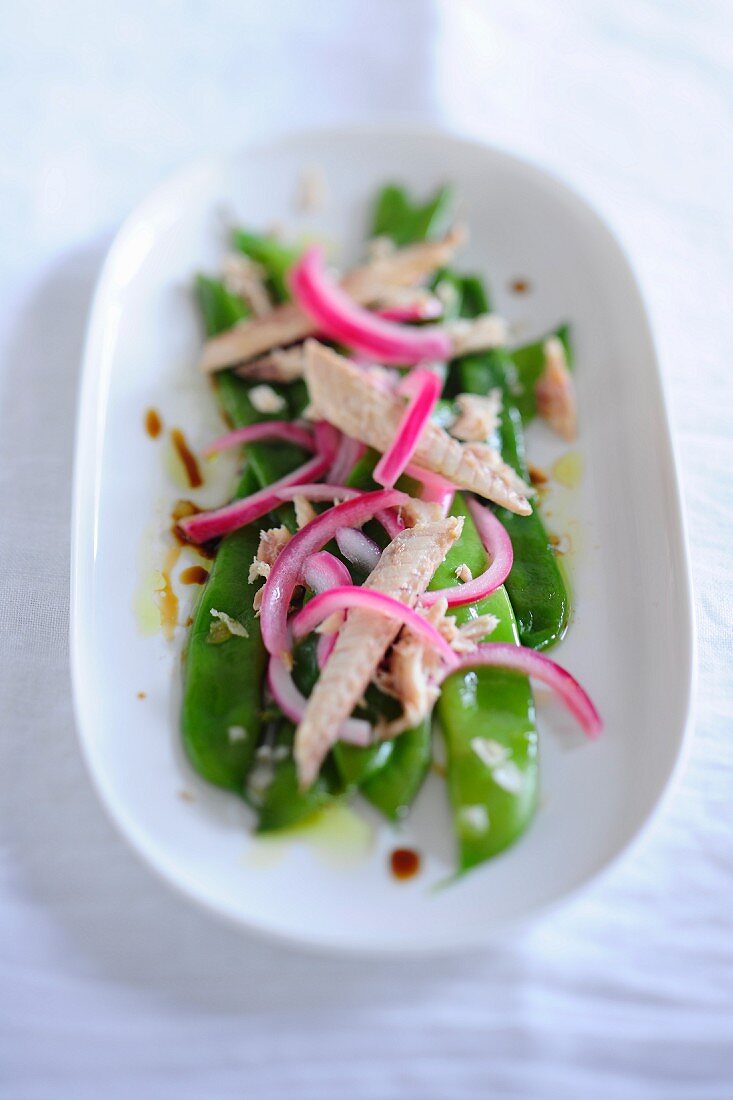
[
  {"x": 194, "y": 574},
  {"x": 405, "y": 863},
  {"x": 520, "y": 286},
  {"x": 180, "y": 510},
  {"x": 153, "y": 423},
  {"x": 187, "y": 457}
]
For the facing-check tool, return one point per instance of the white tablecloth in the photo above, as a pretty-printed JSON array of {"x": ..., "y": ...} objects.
[{"x": 109, "y": 985}]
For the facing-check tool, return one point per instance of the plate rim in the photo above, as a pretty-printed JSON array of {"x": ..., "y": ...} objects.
[{"x": 89, "y": 409}]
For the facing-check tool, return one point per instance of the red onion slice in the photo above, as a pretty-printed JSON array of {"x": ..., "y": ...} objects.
[
  {"x": 222, "y": 521},
  {"x": 268, "y": 429},
  {"x": 323, "y": 571},
  {"x": 368, "y": 599},
  {"x": 424, "y": 389},
  {"x": 498, "y": 546},
  {"x": 390, "y": 521},
  {"x": 317, "y": 492},
  {"x": 342, "y": 319},
  {"x": 428, "y": 308},
  {"x": 434, "y": 487},
  {"x": 348, "y": 454},
  {"x": 531, "y": 663},
  {"x": 288, "y": 568}
]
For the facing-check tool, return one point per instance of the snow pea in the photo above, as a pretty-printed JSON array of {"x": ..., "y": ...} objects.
[
  {"x": 273, "y": 255},
  {"x": 220, "y": 310},
  {"x": 525, "y": 367},
  {"x": 396, "y": 216},
  {"x": 393, "y": 787},
  {"x": 536, "y": 585},
  {"x": 220, "y": 715},
  {"x": 283, "y": 803},
  {"x": 487, "y": 719},
  {"x": 222, "y": 698},
  {"x": 278, "y": 800}
]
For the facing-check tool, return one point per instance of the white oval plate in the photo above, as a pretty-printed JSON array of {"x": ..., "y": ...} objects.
[{"x": 631, "y": 641}]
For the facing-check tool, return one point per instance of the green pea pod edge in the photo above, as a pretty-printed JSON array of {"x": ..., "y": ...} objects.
[{"x": 487, "y": 721}]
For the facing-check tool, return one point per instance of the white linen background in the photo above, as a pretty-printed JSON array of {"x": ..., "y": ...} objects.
[{"x": 111, "y": 986}]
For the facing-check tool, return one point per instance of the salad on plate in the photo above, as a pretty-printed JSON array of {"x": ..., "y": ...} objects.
[{"x": 381, "y": 575}]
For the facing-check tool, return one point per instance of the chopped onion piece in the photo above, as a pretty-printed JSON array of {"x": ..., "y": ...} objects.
[
  {"x": 317, "y": 491},
  {"x": 391, "y": 522},
  {"x": 321, "y": 572},
  {"x": 358, "y": 548}
]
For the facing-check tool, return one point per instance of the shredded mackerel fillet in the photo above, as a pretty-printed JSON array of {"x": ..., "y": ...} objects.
[
  {"x": 477, "y": 334},
  {"x": 555, "y": 391},
  {"x": 287, "y": 324},
  {"x": 272, "y": 542},
  {"x": 403, "y": 571},
  {"x": 404, "y": 296},
  {"x": 478, "y": 416},
  {"x": 379, "y": 248},
  {"x": 406, "y": 676},
  {"x": 463, "y": 572},
  {"x": 304, "y": 511},
  {"x": 340, "y": 393},
  {"x": 246, "y": 278},
  {"x": 410, "y": 670},
  {"x": 279, "y": 365}
]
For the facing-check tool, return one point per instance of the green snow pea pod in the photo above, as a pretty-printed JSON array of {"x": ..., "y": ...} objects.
[
  {"x": 272, "y": 784},
  {"x": 283, "y": 804},
  {"x": 396, "y": 216},
  {"x": 487, "y": 719},
  {"x": 275, "y": 257},
  {"x": 526, "y": 365},
  {"x": 394, "y": 787},
  {"x": 220, "y": 310},
  {"x": 223, "y": 676},
  {"x": 536, "y": 586},
  {"x": 220, "y": 716}
]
